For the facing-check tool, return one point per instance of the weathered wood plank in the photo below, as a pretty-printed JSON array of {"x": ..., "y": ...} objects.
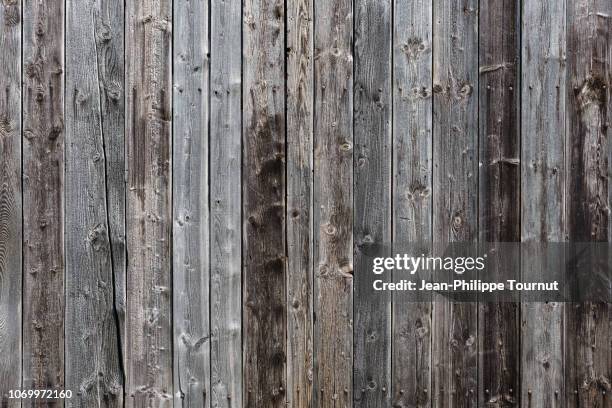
[
  {"x": 588, "y": 357},
  {"x": 43, "y": 197},
  {"x": 10, "y": 201},
  {"x": 226, "y": 222},
  {"x": 333, "y": 204},
  {"x": 300, "y": 88},
  {"x": 542, "y": 187},
  {"x": 191, "y": 273},
  {"x": 455, "y": 219},
  {"x": 94, "y": 128},
  {"x": 372, "y": 199},
  {"x": 264, "y": 316},
  {"x": 499, "y": 197},
  {"x": 148, "y": 129},
  {"x": 412, "y": 198}
]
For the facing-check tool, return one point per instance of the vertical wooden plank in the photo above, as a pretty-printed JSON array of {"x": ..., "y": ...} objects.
[
  {"x": 542, "y": 186},
  {"x": 455, "y": 158},
  {"x": 588, "y": 364},
  {"x": 10, "y": 201},
  {"x": 372, "y": 199},
  {"x": 94, "y": 130},
  {"x": 191, "y": 273},
  {"x": 43, "y": 196},
  {"x": 499, "y": 198},
  {"x": 333, "y": 204},
  {"x": 412, "y": 198},
  {"x": 226, "y": 223},
  {"x": 264, "y": 315},
  {"x": 148, "y": 128},
  {"x": 300, "y": 89}
]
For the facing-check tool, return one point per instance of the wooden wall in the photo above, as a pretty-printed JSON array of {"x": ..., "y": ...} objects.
[{"x": 188, "y": 190}]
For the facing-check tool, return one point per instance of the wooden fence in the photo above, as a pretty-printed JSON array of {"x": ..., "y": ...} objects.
[{"x": 186, "y": 188}]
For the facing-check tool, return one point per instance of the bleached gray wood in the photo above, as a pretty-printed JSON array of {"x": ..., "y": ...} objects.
[
  {"x": 191, "y": 267},
  {"x": 264, "y": 204},
  {"x": 412, "y": 193},
  {"x": 149, "y": 370},
  {"x": 372, "y": 199},
  {"x": 333, "y": 204},
  {"x": 226, "y": 223},
  {"x": 94, "y": 123},
  {"x": 543, "y": 93},
  {"x": 455, "y": 192},
  {"x": 43, "y": 195},
  {"x": 588, "y": 325},
  {"x": 300, "y": 88},
  {"x": 10, "y": 202}
]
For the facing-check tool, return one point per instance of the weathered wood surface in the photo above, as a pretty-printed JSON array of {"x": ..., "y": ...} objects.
[
  {"x": 499, "y": 194},
  {"x": 412, "y": 194},
  {"x": 225, "y": 190},
  {"x": 455, "y": 192},
  {"x": 149, "y": 370},
  {"x": 588, "y": 356},
  {"x": 94, "y": 145},
  {"x": 372, "y": 199},
  {"x": 543, "y": 92},
  {"x": 10, "y": 202},
  {"x": 43, "y": 197},
  {"x": 333, "y": 204},
  {"x": 190, "y": 210},
  {"x": 300, "y": 88},
  {"x": 264, "y": 206}
]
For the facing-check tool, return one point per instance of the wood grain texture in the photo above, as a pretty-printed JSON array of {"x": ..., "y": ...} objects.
[
  {"x": 10, "y": 202},
  {"x": 412, "y": 197},
  {"x": 264, "y": 206},
  {"x": 372, "y": 199},
  {"x": 43, "y": 197},
  {"x": 300, "y": 89},
  {"x": 542, "y": 186},
  {"x": 226, "y": 222},
  {"x": 588, "y": 356},
  {"x": 94, "y": 120},
  {"x": 191, "y": 222},
  {"x": 333, "y": 204},
  {"x": 499, "y": 194},
  {"x": 455, "y": 172},
  {"x": 149, "y": 370}
]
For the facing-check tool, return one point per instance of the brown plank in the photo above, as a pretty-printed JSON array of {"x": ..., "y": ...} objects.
[
  {"x": 499, "y": 197},
  {"x": 333, "y": 202},
  {"x": 412, "y": 198},
  {"x": 43, "y": 197},
  {"x": 10, "y": 202},
  {"x": 300, "y": 88},
  {"x": 588, "y": 357},
  {"x": 264, "y": 314},
  {"x": 148, "y": 139}
]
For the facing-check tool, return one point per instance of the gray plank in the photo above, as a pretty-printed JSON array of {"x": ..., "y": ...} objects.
[
  {"x": 10, "y": 202},
  {"x": 588, "y": 356},
  {"x": 94, "y": 122},
  {"x": 148, "y": 138},
  {"x": 333, "y": 204},
  {"x": 412, "y": 198},
  {"x": 499, "y": 197},
  {"x": 264, "y": 206},
  {"x": 43, "y": 196},
  {"x": 372, "y": 199},
  {"x": 300, "y": 88},
  {"x": 455, "y": 182},
  {"x": 542, "y": 186},
  {"x": 225, "y": 186},
  {"x": 191, "y": 273}
]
